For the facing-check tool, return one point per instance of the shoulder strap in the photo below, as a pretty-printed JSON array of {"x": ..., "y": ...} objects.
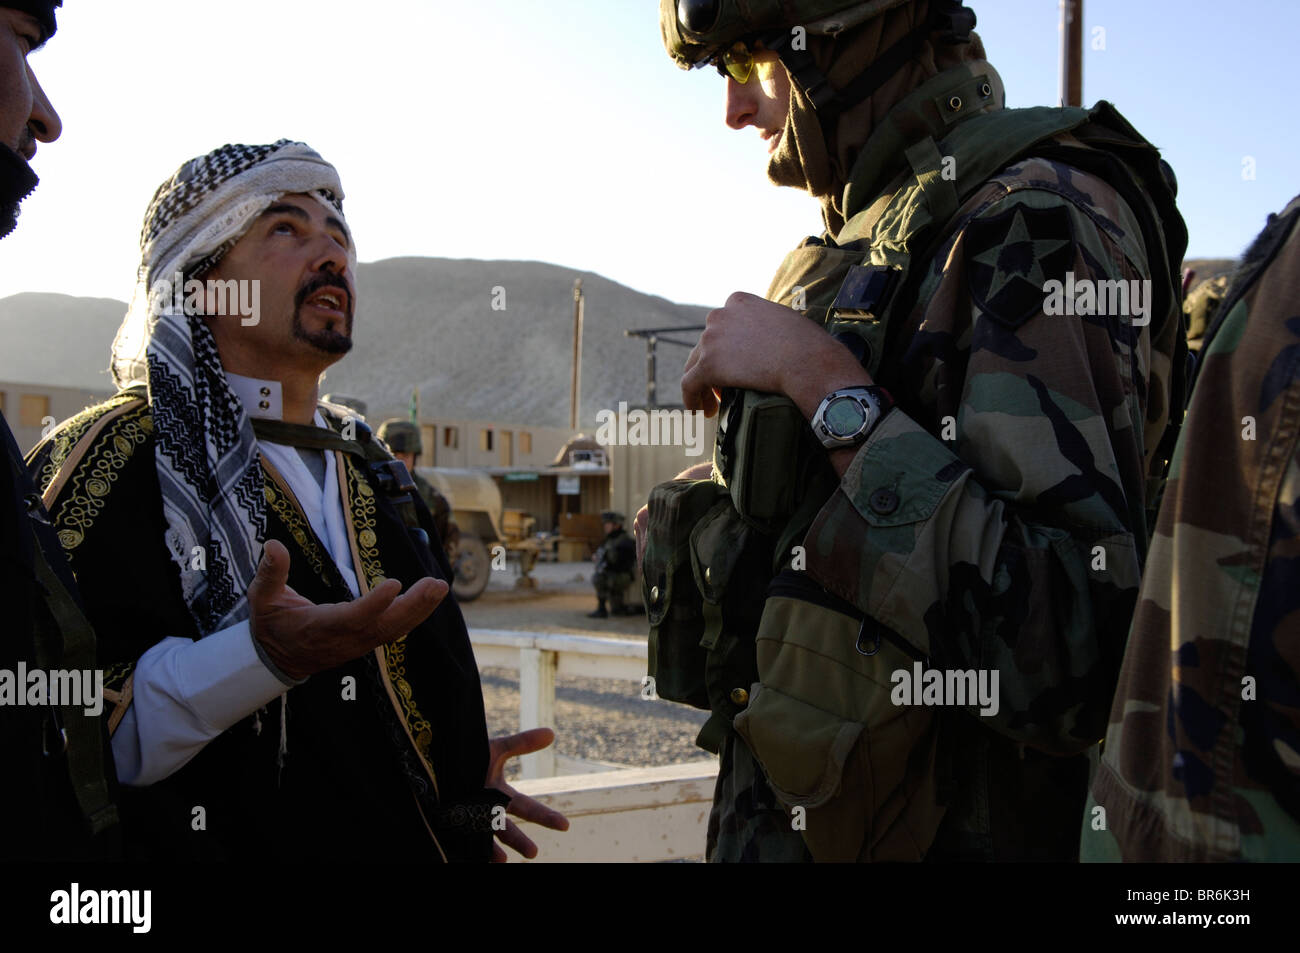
[
  {"x": 394, "y": 479},
  {"x": 85, "y": 751}
]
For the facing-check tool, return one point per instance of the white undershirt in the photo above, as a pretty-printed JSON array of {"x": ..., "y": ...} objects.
[{"x": 185, "y": 693}]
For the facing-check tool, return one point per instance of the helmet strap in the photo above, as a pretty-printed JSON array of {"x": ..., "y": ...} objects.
[{"x": 949, "y": 18}]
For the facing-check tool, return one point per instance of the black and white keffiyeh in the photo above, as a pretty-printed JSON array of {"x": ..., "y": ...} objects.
[{"x": 205, "y": 450}]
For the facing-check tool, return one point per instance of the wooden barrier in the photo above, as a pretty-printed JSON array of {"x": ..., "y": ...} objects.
[
  {"x": 539, "y": 658},
  {"x": 632, "y": 815}
]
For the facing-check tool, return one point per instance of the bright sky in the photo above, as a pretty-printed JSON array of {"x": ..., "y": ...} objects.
[{"x": 561, "y": 132}]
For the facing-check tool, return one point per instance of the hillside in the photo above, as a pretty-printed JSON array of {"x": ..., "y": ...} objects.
[
  {"x": 429, "y": 323},
  {"x": 420, "y": 322}
]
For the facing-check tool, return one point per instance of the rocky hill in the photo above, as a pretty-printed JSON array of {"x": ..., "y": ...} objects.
[{"x": 482, "y": 339}]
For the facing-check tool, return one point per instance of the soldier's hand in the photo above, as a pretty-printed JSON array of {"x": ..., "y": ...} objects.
[
  {"x": 641, "y": 523},
  {"x": 303, "y": 638},
  {"x": 755, "y": 344}
]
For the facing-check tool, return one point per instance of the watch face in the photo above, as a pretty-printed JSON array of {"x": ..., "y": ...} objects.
[{"x": 844, "y": 416}]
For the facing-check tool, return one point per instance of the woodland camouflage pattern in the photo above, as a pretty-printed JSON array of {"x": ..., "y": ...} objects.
[
  {"x": 1197, "y": 765},
  {"x": 996, "y": 519}
]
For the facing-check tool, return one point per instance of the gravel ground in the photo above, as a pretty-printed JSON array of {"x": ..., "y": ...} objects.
[
  {"x": 602, "y": 720},
  {"x": 597, "y": 719}
]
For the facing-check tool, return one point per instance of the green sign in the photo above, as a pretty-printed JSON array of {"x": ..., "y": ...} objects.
[{"x": 521, "y": 477}]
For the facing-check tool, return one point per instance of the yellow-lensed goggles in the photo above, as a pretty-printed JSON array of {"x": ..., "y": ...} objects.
[{"x": 737, "y": 62}]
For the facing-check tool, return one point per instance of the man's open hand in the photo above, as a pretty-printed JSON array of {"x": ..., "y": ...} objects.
[
  {"x": 501, "y": 750},
  {"x": 303, "y": 638}
]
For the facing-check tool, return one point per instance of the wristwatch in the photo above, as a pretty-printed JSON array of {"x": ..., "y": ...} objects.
[{"x": 846, "y": 417}]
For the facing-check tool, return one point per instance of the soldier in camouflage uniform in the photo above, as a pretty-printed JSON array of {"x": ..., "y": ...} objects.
[
  {"x": 991, "y": 514},
  {"x": 1202, "y": 756},
  {"x": 615, "y": 560},
  {"x": 403, "y": 439}
]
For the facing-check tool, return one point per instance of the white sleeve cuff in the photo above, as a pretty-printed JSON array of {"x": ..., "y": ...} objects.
[
  {"x": 222, "y": 679},
  {"x": 184, "y": 694}
]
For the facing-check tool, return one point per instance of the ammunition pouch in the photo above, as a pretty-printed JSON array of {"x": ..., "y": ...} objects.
[
  {"x": 830, "y": 740},
  {"x": 702, "y": 578},
  {"x": 674, "y": 606}
]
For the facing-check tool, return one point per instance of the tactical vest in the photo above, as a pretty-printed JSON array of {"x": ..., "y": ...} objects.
[{"x": 801, "y": 675}]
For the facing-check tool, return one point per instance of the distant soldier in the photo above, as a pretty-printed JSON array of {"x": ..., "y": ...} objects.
[
  {"x": 1201, "y": 306},
  {"x": 403, "y": 439},
  {"x": 615, "y": 562},
  {"x": 1202, "y": 757}
]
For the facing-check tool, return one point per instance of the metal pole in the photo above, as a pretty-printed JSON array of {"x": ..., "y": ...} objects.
[
  {"x": 1071, "y": 52},
  {"x": 576, "y": 389},
  {"x": 650, "y": 343}
]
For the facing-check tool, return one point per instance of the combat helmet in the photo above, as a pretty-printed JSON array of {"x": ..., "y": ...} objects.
[
  {"x": 402, "y": 436},
  {"x": 696, "y": 32}
]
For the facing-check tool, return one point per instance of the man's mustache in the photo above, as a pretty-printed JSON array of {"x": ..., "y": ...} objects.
[
  {"x": 324, "y": 281},
  {"x": 26, "y": 142}
]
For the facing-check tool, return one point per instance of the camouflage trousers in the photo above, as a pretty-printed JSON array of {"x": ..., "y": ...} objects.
[
  {"x": 747, "y": 824},
  {"x": 610, "y": 587}
]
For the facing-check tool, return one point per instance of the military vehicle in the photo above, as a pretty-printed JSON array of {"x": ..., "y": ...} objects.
[{"x": 485, "y": 524}]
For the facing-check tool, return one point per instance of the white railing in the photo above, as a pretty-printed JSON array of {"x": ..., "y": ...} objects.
[
  {"x": 624, "y": 814},
  {"x": 632, "y": 815},
  {"x": 538, "y": 658}
]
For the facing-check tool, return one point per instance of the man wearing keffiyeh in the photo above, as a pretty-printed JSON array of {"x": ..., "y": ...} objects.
[{"x": 242, "y": 547}]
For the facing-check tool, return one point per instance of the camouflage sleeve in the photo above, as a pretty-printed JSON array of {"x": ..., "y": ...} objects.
[
  {"x": 995, "y": 519},
  {"x": 1202, "y": 754}
]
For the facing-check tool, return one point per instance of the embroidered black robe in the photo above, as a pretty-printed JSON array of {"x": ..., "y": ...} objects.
[{"x": 386, "y": 755}]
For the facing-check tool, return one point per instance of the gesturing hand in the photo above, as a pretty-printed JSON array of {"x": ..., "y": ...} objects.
[
  {"x": 303, "y": 638},
  {"x": 501, "y": 750}
]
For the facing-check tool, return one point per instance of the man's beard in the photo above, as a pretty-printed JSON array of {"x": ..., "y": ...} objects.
[
  {"x": 17, "y": 180},
  {"x": 328, "y": 339}
]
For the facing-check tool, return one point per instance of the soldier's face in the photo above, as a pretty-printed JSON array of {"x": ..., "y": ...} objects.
[
  {"x": 763, "y": 102},
  {"x": 25, "y": 113},
  {"x": 297, "y": 250}
]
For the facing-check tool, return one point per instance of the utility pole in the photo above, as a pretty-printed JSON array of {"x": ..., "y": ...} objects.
[
  {"x": 576, "y": 388},
  {"x": 1071, "y": 52}
]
